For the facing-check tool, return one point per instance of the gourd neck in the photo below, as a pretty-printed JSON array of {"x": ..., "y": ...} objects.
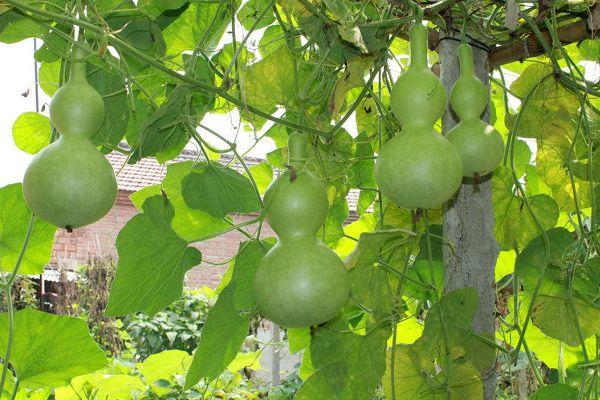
[
  {"x": 78, "y": 64},
  {"x": 297, "y": 150},
  {"x": 418, "y": 46},
  {"x": 465, "y": 56},
  {"x": 295, "y": 237}
]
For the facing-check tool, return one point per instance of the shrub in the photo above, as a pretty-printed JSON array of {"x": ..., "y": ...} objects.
[{"x": 176, "y": 328}]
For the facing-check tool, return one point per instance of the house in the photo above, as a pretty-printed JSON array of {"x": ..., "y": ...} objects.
[{"x": 98, "y": 240}]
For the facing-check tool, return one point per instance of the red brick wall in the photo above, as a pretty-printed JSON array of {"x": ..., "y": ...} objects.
[{"x": 98, "y": 239}]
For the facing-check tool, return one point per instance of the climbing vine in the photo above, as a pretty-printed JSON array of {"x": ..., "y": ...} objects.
[{"x": 316, "y": 68}]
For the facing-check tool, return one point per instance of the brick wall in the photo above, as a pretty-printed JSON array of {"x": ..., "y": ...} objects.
[{"x": 98, "y": 239}]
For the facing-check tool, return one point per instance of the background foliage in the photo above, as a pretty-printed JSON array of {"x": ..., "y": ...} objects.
[{"x": 278, "y": 66}]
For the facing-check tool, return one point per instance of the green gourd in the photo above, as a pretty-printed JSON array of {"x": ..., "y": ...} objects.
[
  {"x": 70, "y": 183},
  {"x": 300, "y": 281},
  {"x": 418, "y": 168},
  {"x": 480, "y": 145}
]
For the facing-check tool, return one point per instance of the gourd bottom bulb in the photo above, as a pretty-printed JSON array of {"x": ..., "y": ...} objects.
[
  {"x": 70, "y": 183},
  {"x": 418, "y": 169}
]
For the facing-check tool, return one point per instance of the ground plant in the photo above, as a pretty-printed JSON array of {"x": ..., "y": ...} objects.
[{"x": 431, "y": 182}]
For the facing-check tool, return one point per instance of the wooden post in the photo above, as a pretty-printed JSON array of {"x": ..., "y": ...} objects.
[{"x": 469, "y": 221}]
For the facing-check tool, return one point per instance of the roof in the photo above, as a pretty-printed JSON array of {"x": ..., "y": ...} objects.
[{"x": 148, "y": 171}]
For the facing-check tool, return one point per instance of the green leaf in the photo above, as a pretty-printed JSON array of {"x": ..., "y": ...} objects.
[
  {"x": 164, "y": 133},
  {"x": 554, "y": 305},
  {"x": 31, "y": 132},
  {"x": 271, "y": 81},
  {"x": 298, "y": 339},
  {"x": 222, "y": 336},
  {"x": 590, "y": 49},
  {"x": 333, "y": 229},
  {"x": 272, "y": 39},
  {"x": 49, "y": 76},
  {"x": 253, "y": 12},
  {"x": 550, "y": 107},
  {"x": 262, "y": 174},
  {"x": 352, "y": 77},
  {"x": 218, "y": 191},
  {"x": 244, "y": 268},
  {"x": 349, "y": 366},
  {"x": 200, "y": 26},
  {"x": 14, "y": 221},
  {"x": 142, "y": 34},
  {"x": 551, "y": 159},
  {"x": 102, "y": 386},
  {"x": 371, "y": 284},
  {"x": 190, "y": 224},
  {"x": 514, "y": 226},
  {"x": 242, "y": 361},
  {"x": 157, "y": 7},
  {"x": 457, "y": 309},
  {"x": 164, "y": 365},
  {"x": 421, "y": 272},
  {"x": 153, "y": 261},
  {"x": 555, "y": 391},
  {"x": 417, "y": 379},
  {"x": 15, "y": 27},
  {"x": 43, "y": 358}
]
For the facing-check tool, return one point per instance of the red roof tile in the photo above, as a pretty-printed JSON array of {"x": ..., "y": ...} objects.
[{"x": 148, "y": 171}]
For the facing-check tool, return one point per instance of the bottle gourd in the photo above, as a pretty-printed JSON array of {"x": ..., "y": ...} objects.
[
  {"x": 480, "y": 145},
  {"x": 300, "y": 281},
  {"x": 70, "y": 183},
  {"x": 418, "y": 168}
]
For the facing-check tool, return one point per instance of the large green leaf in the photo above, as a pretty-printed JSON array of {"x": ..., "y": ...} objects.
[
  {"x": 219, "y": 191},
  {"x": 102, "y": 386},
  {"x": 449, "y": 323},
  {"x": 31, "y": 132},
  {"x": 349, "y": 366},
  {"x": 190, "y": 224},
  {"x": 417, "y": 379},
  {"x": 446, "y": 361},
  {"x": 48, "y": 350},
  {"x": 272, "y": 81},
  {"x": 372, "y": 285},
  {"x": 165, "y": 133},
  {"x": 200, "y": 26},
  {"x": 552, "y": 157},
  {"x": 244, "y": 268},
  {"x": 557, "y": 311},
  {"x": 14, "y": 221},
  {"x": 15, "y": 27},
  {"x": 514, "y": 225},
  {"x": 550, "y": 106},
  {"x": 222, "y": 338},
  {"x": 153, "y": 261},
  {"x": 164, "y": 366}
]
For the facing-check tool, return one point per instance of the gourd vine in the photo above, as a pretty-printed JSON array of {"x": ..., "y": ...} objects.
[{"x": 372, "y": 208}]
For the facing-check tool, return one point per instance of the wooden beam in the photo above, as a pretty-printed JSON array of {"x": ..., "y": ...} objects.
[{"x": 520, "y": 50}]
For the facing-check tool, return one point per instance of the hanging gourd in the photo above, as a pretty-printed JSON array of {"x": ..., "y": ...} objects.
[
  {"x": 70, "y": 183},
  {"x": 300, "y": 281},
  {"x": 418, "y": 168},
  {"x": 480, "y": 145}
]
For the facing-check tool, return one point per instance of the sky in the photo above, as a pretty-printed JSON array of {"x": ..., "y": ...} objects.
[{"x": 16, "y": 77}]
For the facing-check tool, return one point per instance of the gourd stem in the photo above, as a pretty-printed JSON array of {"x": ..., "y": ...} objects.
[
  {"x": 78, "y": 61},
  {"x": 465, "y": 55},
  {"x": 298, "y": 149},
  {"x": 418, "y": 46}
]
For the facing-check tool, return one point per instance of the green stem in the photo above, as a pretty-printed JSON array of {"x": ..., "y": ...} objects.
[
  {"x": 7, "y": 286},
  {"x": 116, "y": 41}
]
